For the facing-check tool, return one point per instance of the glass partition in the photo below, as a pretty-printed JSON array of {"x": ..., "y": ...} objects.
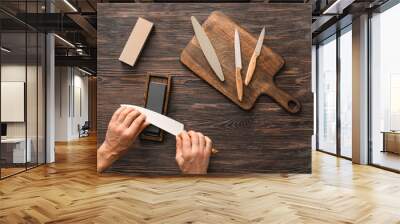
[
  {"x": 334, "y": 94},
  {"x": 13, "y": 94},
  {"x": 326, "y": 100},
  {"x": 22, "y": 101}
]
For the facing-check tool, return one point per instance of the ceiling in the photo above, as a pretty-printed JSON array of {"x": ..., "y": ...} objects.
[
  {"x": 72, "y": 20},
  {"x": 17, "y": 42}
]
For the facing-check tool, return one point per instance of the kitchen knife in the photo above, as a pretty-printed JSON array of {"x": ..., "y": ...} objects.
[
  {"x": 253, "y": 60},
  {"x": 207, "y": 48},
  {"x": 167, "y": 124},
  {"x": 238, "y": 65}
]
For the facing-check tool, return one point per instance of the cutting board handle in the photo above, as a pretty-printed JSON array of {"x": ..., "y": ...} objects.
[{"x": 289, "y": 103}]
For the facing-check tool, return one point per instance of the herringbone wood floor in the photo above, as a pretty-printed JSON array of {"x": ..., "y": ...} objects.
[{"x": 70, "y": 191}]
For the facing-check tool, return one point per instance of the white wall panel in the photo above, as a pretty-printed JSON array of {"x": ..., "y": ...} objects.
[{"x": 12, "y": 101}]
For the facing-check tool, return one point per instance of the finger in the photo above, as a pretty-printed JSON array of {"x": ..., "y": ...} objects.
[
  {"x": 180, "y": 134},
  {"x": 178, "y": 156},
  {"x": 137, "y": 124},
  {"x": 209, "y": 146},
  {"x": 180, "y": 161},
  {"x": 144, "y": 125},
  {"x": 116, "y": 114},
  {"x": 186, "y": 145},
  {"x": 202, "y": 142},
  {"x": 178, "y": 146},
  {"x": 124, "y": 113},
  {"x": 195, "y": 142},
  {"x": 131, "y": 117}
]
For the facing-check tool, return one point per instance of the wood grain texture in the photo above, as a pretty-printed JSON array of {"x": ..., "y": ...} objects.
[
  {"x": 265, "y": 139},
  {"x": 71, "y": 191},
  {"x": 220, "y": 29}
]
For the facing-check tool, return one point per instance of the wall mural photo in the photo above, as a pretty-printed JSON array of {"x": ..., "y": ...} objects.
[{"x": 204, "y": 89}]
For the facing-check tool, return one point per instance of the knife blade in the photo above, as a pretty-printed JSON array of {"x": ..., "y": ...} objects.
[
  {"x": 238, "y": 57},
  {"x": 260, "y": 42},
  {"x": 253, "y": 60},
  {"x": 161, "y": 121},
  {"x": 238, "y": 65},
  {"x": 207, "y": 48}
]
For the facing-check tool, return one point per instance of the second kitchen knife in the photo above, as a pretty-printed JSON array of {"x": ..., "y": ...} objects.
[
  {"x": 238, "y": 65},
  {"x": 208, "y": 49},
  {"x": 253, "y": 60},
  {"x": 167, "y": 124}
]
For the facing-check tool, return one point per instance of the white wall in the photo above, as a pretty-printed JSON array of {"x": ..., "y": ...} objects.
[
  {"x": 80, "y": 110},
  {"x": 62, "y": 81},
  {"x": 71, "y": 93}
]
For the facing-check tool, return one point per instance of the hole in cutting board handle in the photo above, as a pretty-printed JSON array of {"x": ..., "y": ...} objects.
[{"x": 293, "y": 106}]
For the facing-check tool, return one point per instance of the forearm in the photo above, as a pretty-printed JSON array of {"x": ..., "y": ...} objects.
[{"x": 106, "y": 156}]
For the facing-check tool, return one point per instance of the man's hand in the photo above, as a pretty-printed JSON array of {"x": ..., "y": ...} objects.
[
  {"x": 193, "y": 152},
  {"x": 123, "y": 129}
]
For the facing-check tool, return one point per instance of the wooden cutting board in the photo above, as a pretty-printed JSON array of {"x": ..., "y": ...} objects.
[{"x": 220, "y": 30}]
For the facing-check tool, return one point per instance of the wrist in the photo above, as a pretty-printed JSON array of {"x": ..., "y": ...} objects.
[
  {"x": 106, "y": 155},
  {"x": 107, "y": 151}
]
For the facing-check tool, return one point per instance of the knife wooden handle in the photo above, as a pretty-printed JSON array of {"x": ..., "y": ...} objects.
[
  {"x": 250, "y": 69},
  {"x": 239, "y": 84}
]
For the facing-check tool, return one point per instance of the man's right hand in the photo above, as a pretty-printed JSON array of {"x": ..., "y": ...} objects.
[{"x": 193, "y": 151}]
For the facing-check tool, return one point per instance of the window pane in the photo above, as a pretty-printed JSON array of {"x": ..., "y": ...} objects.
[
  {"x": 385, "y": 78},
  {"x": 346, "y": 93},
  {"x": 327, "y": 96}
]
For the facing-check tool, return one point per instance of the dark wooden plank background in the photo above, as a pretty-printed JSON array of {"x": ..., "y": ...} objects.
[{"x": 265, "y": 139}]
